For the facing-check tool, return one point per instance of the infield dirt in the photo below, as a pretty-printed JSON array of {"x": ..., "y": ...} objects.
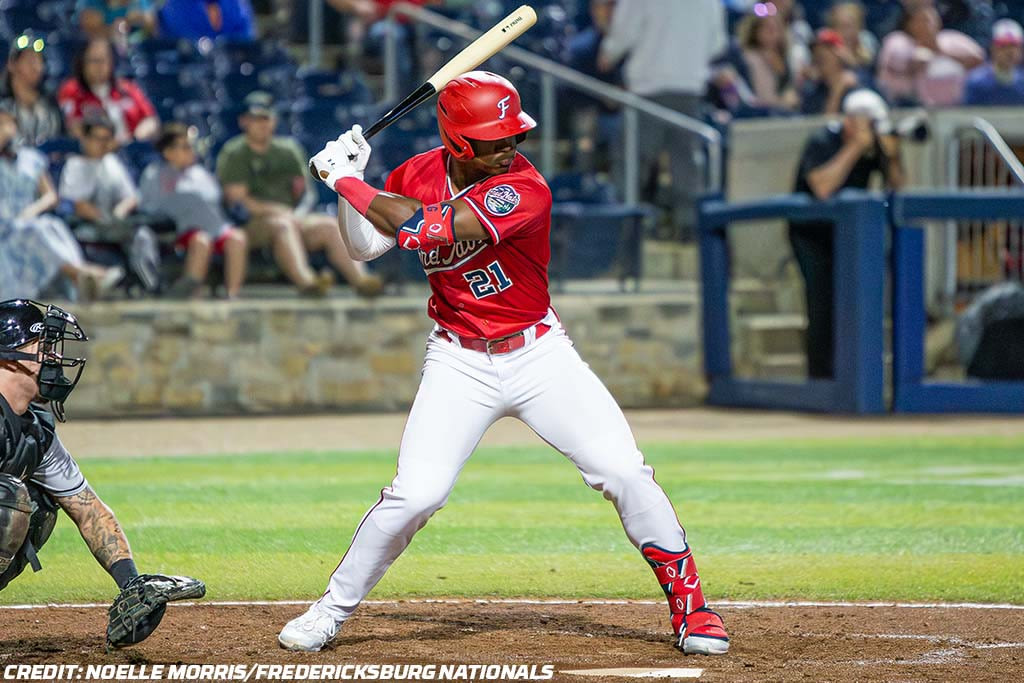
[{"x": 769, "y": 644}]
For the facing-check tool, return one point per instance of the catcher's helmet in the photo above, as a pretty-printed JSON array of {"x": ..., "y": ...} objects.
[
  {"x": 479, "y": 105},
  {"x": 23, "y": 321}
]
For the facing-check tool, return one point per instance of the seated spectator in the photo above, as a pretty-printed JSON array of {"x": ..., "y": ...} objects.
[
  {"x": 831, "y": 78},
  {"x": 859, "y": 45},
  {"x": 1000, "y": 82},
  {"x": 592, "y": 118},
  {"x": 923, "y": 63},
  {"x": 94, "y": 86},
  {"x": 104, "y": 198},
  {"x": 38, "y": 117},
  {"x": 97, "y": 181},
  {"x": 766, "y": 54},
  {"x": 37, "y": 251},
  {"x": 268, "y": 177},
  {"x": 180, "y": 187},
  {"x": 195, "y": 19},
  {"x": 115, "y": 18}
]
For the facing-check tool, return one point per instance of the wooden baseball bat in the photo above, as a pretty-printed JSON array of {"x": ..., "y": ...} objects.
[{"x": 474, "y": 54}]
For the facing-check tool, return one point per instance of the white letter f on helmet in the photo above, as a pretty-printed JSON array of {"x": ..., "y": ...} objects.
[{"x": 503, "y": 106}]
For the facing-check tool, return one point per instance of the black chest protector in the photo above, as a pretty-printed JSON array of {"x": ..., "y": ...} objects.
[{"x": 26, "y": 439}]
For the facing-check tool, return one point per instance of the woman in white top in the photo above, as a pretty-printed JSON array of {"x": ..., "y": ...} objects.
[{"x": 37, "y": 251}]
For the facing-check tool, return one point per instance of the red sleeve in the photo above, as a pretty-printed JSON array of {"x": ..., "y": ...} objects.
[
  {"x": 510, "y": 204},
  {"x": 69, "y": 99},
  {"x": 143, "y": 106}
]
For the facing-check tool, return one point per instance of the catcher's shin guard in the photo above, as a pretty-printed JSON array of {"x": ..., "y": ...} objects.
[{"x": 698, "y": 629}]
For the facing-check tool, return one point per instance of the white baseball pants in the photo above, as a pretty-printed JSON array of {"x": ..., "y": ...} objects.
[{"x": 546, "y": 385}]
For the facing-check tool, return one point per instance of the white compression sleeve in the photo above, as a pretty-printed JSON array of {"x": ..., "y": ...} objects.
[{"x": 364, "y": 241}]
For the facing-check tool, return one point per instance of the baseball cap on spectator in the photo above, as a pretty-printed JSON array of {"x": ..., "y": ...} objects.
[
  {"x": 827, "y": 36},
  {"x": 1007, "y": 32},
  {"x": 259, "y": 103},
  {"x": 865, "y": 102}
]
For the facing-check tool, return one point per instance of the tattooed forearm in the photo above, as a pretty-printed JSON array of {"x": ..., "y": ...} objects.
[{"x": 98, "y": 526}]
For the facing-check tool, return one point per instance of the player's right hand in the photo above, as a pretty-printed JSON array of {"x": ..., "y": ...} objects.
[
  {"x": 331, "y": 164},
  {"x": 357, "y": 146}
]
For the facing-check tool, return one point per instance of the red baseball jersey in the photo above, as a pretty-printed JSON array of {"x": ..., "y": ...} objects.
[{"x": 486, "y": 289}]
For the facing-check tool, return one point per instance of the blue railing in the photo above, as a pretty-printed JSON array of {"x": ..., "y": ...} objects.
[{"x": 862, "y": 221}]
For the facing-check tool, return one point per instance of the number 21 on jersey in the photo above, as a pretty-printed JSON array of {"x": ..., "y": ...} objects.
[{"x": 484, "y": 282}]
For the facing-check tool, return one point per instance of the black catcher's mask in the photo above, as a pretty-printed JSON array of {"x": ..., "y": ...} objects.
[{"x": 23, "y": 321}]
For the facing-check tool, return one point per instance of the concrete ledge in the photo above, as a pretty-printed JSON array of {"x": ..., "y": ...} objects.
[{"x": 280, "y": 356}]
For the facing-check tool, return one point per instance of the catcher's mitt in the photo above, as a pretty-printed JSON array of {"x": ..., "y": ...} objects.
[{"x": 138, "y": 609}]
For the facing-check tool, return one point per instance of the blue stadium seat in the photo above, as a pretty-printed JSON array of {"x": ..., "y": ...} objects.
[
  {"x": 346, "y": 87},
  {"x": 138, "y": 155},
  {"x": 584, "y": 188},
  {"x": 41, "y": 17},
  {"x": 592, "y": 235},
  {"x": 398, "y": 142},
  {"x": 57, "y": 152},
  {"x": 167, "y": 92}
]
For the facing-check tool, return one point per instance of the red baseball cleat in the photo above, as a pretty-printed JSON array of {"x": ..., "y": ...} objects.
[{"x": 698, "y": 629}]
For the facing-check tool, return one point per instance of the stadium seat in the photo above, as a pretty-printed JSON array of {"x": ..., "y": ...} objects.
[
  {"x": 346, "y": 87},
  {"x": 138, "y": 155},
  {"x": 42, "y": 17},
  {"x": 57, "y": 152},
  {"x": 592, "y": 235}
]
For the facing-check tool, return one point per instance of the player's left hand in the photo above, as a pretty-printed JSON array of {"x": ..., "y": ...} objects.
[
  {"x": 331, "y": 164},
  {"x": 357, "y": 146}
]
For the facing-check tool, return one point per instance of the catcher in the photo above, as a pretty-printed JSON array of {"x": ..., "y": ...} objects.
[{"x": 38, "y": 476}]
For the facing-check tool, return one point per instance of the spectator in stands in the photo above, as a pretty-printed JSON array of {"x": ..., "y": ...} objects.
[
  {"x": 94, "y": 85},
  {"x": 841, "y": 155},
  {"x": 97, "y": 181},
  {"x": 859, "y": 45},
  {"x": 195, "y": 19},
  {"x": 115, "y": 18},
  {"x": 766, "y": 54},
  {"x": 367, "y": 28},
  {"x": 37, "y": 251},
  {"x": 831, "y": 78},
  {"x": 1000, "y": 82},
  {"x": 268, "y": 177},
  {"x": 592, "y": 117},
  {"x": 668, "y": 47},
  {"x": 799, "y": 34},
  {"x": 183, "y": 189},
  {"x": 923, "y": 63},
  {"x": 38, "y": 117}
]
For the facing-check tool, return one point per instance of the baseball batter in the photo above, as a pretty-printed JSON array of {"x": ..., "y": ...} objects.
[{"x": 478, "y": 214}]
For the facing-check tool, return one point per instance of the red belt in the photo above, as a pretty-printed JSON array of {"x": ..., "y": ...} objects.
[{"x": 512, "y": 342}]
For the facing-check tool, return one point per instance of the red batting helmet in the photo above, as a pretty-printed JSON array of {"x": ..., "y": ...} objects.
[{"x": 479, "y": 105}]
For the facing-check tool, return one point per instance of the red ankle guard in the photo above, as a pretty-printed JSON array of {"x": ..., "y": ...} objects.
[{"x": 677, "y": 574}]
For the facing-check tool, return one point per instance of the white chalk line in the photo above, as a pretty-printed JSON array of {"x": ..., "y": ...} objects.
[
  {"x": 732, "y": 604},
  {"x": 944, "y": 655}
]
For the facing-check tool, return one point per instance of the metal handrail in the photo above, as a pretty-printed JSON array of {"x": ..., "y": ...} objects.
[
  {"x": 550, "y": 72},
  {"x": 994, "y": 138}
]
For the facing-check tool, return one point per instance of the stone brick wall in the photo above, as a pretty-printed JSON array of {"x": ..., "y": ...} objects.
[{"x": 278, "y": 356}]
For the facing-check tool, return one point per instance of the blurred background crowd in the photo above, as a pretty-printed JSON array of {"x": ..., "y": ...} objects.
[{"x": 158, "y": 147}]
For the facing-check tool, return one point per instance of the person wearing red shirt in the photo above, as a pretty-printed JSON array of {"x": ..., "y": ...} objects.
[
  {"x": 478, "y": 214},
  {"x": 94, "y": 86}
]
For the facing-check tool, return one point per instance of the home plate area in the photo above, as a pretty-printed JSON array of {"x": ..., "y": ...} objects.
[{"x": 599, "y": 640}]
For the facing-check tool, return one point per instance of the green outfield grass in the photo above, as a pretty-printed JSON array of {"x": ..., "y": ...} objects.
[{"x": 894, "y": 519}]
